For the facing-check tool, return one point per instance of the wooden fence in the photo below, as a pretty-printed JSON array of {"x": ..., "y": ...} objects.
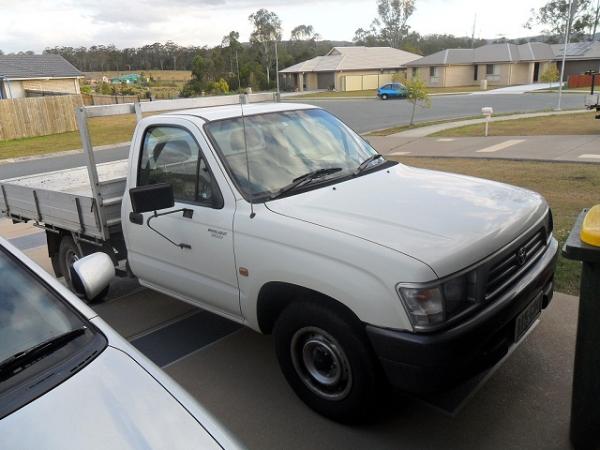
[
  {"x": 577, "y": 81},
  {"x": 98, "y": 99},
  {"x": 38, "y": 116}
]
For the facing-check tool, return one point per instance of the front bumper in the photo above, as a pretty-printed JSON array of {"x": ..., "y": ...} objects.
[{"x": 421, "y": 363}]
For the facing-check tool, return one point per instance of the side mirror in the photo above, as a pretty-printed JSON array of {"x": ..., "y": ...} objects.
[
  {"x": 152, "y": 197},
  {"x": 91, "y": 275}
]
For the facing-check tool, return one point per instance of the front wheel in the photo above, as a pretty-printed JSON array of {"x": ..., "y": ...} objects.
[
  {"x": 384, "y": 97},
  {"x": 327, "y": 361}
]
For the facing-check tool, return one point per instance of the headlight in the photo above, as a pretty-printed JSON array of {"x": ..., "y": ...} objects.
[{"x": 433, "y": 304}]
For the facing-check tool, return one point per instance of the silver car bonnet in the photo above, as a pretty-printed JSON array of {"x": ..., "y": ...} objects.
[
  {"x": 113, "y": 403},
  {"x": 447, "y": 221}
]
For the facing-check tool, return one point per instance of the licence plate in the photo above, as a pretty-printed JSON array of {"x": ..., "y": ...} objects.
[{"x": 528, "y": 316}]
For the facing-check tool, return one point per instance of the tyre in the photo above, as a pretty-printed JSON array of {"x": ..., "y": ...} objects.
[
  {"x": 68, "y": 253},
  {"x": 327, "y": 360},
  {"x": 384, "y": 97}
]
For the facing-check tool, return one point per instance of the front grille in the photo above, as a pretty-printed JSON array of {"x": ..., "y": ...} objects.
[{"x": 508, "y": 269}]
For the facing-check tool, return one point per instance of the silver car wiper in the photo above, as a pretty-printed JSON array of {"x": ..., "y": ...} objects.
[
  {"x": 363, "y": 165},
  {"x": 15, "y": 363},
  {"x": 304, "y": 179}
]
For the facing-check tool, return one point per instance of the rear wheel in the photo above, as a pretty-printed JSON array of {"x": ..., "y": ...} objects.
[
  {"x": 327, "y": 361},
  {"x": 68, "y": 253}
]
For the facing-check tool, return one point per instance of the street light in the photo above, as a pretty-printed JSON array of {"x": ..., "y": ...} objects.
[
  {"x": 564, "y": 56},
  {"x": 277, "y": 68}
]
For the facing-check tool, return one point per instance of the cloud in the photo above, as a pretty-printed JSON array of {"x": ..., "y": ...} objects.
[{"x": 37, "y": 24}]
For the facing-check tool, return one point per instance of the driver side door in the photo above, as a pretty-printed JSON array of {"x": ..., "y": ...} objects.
[{"x": 204, "y": 274}]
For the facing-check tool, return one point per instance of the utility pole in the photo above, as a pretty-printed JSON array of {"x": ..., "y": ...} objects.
[
  {"x": 237, "y": 64},
  {"x": 564, "y": 56},
  {"x": 276, "y": 66},
  {"x": 473, "y": 32},
  {"x": 596, "y": 19}
]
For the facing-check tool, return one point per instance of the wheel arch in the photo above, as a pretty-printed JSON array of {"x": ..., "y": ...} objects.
[{"x": 275, "y": 296}]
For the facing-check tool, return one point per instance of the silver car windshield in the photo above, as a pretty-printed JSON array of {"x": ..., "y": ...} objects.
[
  {"x": 283, "y": 146},
  {"x": 29, "y": 313}
]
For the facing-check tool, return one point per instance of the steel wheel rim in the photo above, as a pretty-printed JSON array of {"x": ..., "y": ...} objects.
[{"x": 321, "y": 363}]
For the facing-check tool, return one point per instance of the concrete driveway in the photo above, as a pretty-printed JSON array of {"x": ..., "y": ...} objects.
[{"x": 233, "y": 372}]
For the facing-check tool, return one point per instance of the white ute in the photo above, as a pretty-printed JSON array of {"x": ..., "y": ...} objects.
[{"x": 368, "y": 272}]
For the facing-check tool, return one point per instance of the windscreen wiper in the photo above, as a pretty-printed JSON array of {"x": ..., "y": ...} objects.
[
  {"x": 17, "y": 362},
  {"x": 304, "y": 179},
  {"x": 363, "y": 165}
]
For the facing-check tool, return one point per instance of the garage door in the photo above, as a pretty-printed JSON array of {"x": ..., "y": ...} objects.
[{"x": 326, "y": 80}]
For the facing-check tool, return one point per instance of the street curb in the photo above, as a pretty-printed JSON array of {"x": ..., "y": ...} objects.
[{"x": 63, "y": 153}]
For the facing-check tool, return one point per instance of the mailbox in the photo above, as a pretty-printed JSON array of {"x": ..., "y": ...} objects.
[{"x": 487, "y": 111}]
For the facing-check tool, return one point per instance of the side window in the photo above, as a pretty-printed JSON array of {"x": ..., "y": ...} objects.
[
  {"x": 171, "y": 155},
  {"x": 387, "y": 86}
]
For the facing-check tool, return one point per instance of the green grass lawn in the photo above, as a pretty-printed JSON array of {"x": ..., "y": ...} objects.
[
  {"x": 568, "y": 188},
  {"x": 564, "y": 124},
  {"x": 399, "y": 128},
  {"x": 103, "y": 130}
]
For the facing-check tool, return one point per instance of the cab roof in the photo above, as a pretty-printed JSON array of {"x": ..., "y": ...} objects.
[{"x": 212, "y": 113}]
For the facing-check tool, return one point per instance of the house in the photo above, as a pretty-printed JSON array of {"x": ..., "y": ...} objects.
[
  {"x": 500, "y": 64},
  {"x": 581, "y": 57},
  {"x": 36, "y": 75},
  {"x": 347, "y": 69}
]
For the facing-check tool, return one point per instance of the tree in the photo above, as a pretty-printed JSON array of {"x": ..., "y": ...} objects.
[
  {"x": 417, "y": 94},
  {"x": 550, "y": 74},
  {"x": 267, "y": 28},
  {"x": 553, "y": 15},
  {"x": 393, "y": 15},
  {"x": 390, "y": 27},
  {"x": 302, "y": 33}
]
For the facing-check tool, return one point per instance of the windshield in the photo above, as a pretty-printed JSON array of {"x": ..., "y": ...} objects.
[
  {"x": 29, "y": 313},
  {"x": 286, "y": 145}
]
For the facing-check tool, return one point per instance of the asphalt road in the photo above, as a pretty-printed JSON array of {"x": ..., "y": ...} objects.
[
  {"x": 361, "y": 114},
  {"x": 50, "y": 164},
  {"x": 372, "y": 114}
]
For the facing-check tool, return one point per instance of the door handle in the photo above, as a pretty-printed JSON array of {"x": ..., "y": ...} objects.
[{"x": 136, "y": 218}]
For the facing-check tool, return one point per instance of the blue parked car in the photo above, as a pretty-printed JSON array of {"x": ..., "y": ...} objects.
[{"x": 391, "y": 90}]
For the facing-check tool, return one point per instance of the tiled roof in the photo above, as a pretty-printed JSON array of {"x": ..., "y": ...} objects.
[
  {"x": 491, "y": 53},
  {"x": 354, "y": 58},
  {"x": 578, "y": 50},
  {"x": 36, "y": 66}
]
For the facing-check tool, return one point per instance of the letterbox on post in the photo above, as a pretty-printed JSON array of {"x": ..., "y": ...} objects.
[
  {"x": 487, "y": 111},
  {"x": 585, "y": 403}
]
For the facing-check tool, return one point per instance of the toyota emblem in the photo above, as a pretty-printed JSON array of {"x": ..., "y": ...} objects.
[{"x": 521, "y": 256}]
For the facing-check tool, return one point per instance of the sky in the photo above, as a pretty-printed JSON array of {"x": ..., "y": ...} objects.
[{"x": 37, "y": 24}]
